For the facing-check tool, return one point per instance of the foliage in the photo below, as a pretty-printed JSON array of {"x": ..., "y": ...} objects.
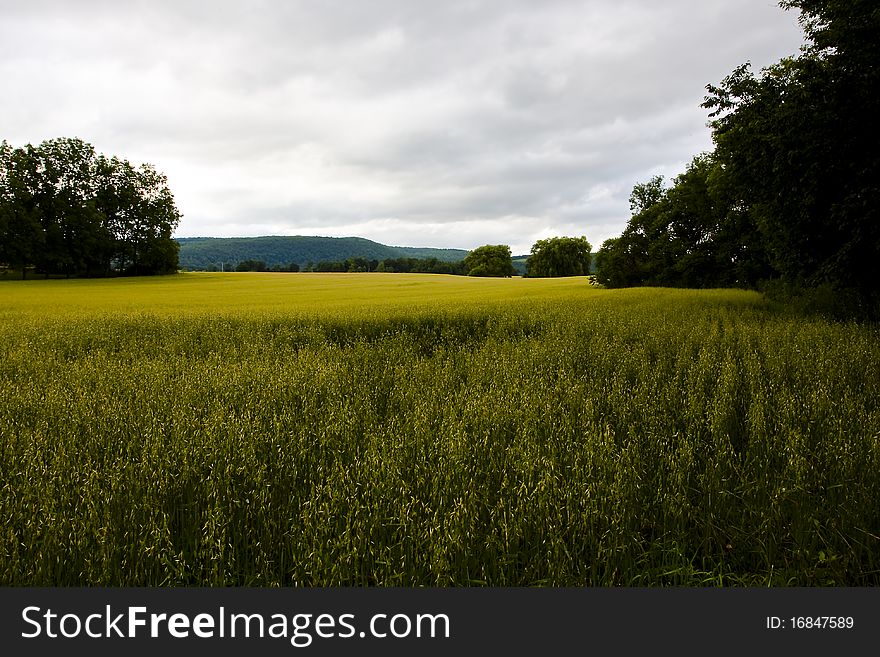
[
  {"x": 388, "y": 265},
  {"x": 67, "y": 210},
  {"x": 421, "y": 266},
  {"x": 693, "y": 234},
  {"x": 353, "y": 265},
  {"x": 489, "y": 260},
  {"x": 791, "y": 191},
  {"x": 559, "y": 256},
  {"x": 251, "y": 265},
  {"x": 289, "y": 267},
  {"x": 797, "y": 145},
  {"x": 211, "y": 429}
]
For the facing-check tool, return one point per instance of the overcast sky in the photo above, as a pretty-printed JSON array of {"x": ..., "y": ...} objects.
[{"x": 411, "y": 122}]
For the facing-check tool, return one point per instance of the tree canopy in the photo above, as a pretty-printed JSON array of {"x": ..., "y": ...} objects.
[
  {"x": 792, "y": 189},
  {"x": 692, "y": 234},
  {"x": 799, "y": 144},
  {"x": 489, "y": 260},
  {"x": 559, "y": 256},
  {"x": 65, "y": 209}
]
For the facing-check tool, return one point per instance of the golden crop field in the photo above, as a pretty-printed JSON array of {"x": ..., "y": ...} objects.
[
  {"x": 303, "y": 294},
  {"x": 370, "y": 429}
]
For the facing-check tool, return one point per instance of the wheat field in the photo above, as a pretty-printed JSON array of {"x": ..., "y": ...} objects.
[{"x": 410, "y": 430}]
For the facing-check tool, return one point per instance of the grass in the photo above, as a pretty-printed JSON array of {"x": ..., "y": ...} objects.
[{"x": 332, "y": 429}]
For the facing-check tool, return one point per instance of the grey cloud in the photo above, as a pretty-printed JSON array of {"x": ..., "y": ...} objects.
[{"x": 387, "y": 115}]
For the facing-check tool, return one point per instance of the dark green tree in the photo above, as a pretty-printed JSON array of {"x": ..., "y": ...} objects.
[
  {"x": 251, "y": 265},
  {"x": 559, "y": 256},
  {"x": 707, "y": 240},
  {"x": 21, "y": 231},
  {"x": 140, "y": 212},
  {"x": 490, "y": 260},
  {"x": 357, "y": 264},
  {"x": 76, "y": 241},
  {"x": 694, "y": 234},
  {"x": 799, "y": 143},
  {"x": 646, "y": 195},
  {"x": 619, "y": 262},
  {"x": 66, "y": 210},
  {"x": 637, "y": 256}
]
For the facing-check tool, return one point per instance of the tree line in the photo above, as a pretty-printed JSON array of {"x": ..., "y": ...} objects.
[
  {"x": 553, "y": 257},
  {"x": 67, "y": 210},
  {"x": 788, "y": 199},
  {"x": 389, "y": 265},
  {"x": 356, "y": 265},
  {"x": 549, "y": 258}
]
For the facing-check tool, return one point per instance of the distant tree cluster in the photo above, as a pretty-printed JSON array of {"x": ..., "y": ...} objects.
[
  {"x": 259, "y": 265},
  {"x": 251, "y": 265},
  {"x": 791, "y": 191},
  {"x": 559, "y": 256},
  {"x": 421, "y": 266},
  {"x": 290, "y": 267},
  {"x": 388, "y": 265},
  {"x": 66, "y": 210},
  {"x": 355, "y": 264},
  {"x": 490, "y": 260}
]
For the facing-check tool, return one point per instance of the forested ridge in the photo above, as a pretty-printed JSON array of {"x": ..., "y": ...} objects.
[{"x": 209, "y": 253}]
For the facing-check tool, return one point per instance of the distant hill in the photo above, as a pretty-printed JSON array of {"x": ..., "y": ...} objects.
[
  {"x": 519, "y": 264},
  {"x": 209, "y": 252}
]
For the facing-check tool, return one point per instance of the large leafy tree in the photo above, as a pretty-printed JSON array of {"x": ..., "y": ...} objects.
[
  {"x": 21, "y": 233},
  {"x": 559, "y": 256},
  {"x": 141, "y": 213},
  {"x": 490, "y": 260},
  {"x": 625, "y": 261},
  {"x": 792, "y": 189},
  {"x": 693, "y": 234},
  {"x": 75, "y": 241},
  {"x": 67, "y": 210},
  {"x": 707, "y": 239},
  {"x": 799, "y": 144},
  {"x": 621, "y": 262}
]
